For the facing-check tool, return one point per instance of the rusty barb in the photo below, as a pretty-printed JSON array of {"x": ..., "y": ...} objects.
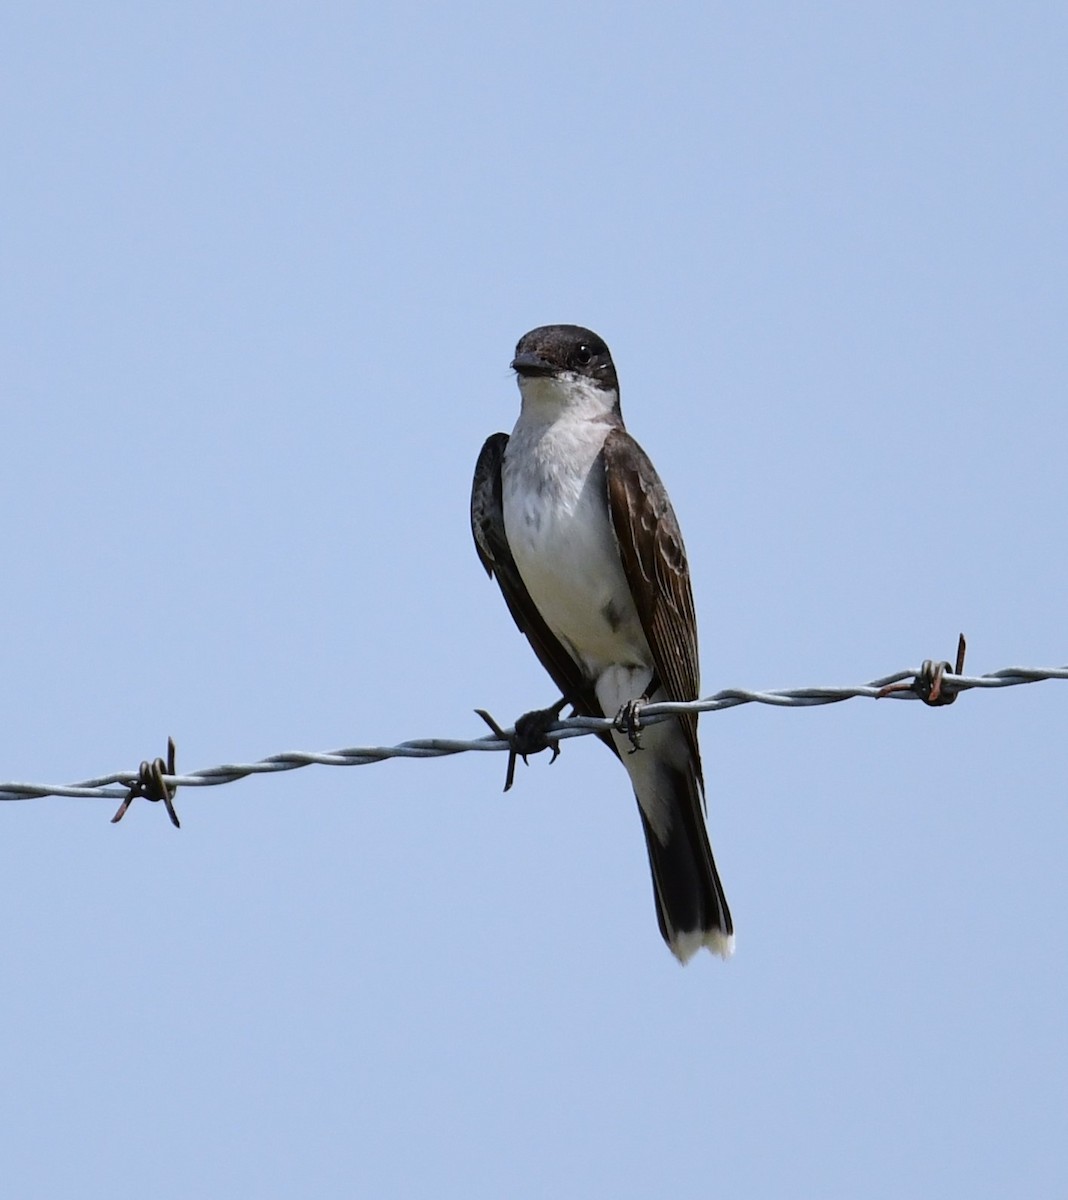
[
  {"x": 150, "y": 785},
  {"x": 528, "y": 737},
  {"x": 930, "y": 684}
]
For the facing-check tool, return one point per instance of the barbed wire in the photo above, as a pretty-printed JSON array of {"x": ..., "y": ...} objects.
[{"x": 936, "y": 683}]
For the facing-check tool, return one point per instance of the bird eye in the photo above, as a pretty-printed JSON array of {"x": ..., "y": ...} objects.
[{"x": 583, "y": 355}]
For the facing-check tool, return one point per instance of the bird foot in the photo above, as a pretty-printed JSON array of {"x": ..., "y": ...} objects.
[
  {"x": 528, "y": 737},
  {"x": 629, "y": 721}
]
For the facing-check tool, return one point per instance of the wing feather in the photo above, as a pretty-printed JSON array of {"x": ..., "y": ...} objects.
[{"x": 654, "y": 560}]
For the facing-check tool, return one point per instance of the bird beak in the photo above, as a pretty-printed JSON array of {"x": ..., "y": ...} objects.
[{"x": 528, "y": 363}]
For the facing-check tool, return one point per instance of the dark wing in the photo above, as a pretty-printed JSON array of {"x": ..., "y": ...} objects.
[
  {"x": 654, "y": 560},
  {"x": 491, "y": 542}
]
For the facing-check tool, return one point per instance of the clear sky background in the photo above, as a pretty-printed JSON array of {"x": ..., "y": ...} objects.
[{"x": 263, "y": 269}]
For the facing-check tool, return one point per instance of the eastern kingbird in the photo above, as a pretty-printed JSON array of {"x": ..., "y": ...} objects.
[{"x": 571, "y": 518}]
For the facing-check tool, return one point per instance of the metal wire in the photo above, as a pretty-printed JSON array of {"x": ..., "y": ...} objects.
[{"x": 117, "y": 786}]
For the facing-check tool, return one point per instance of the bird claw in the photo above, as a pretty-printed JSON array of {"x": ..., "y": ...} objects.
[
  {"x": 629, "y": 721},
  {"x": 531, "y": 729},
  {"x": 528, "y": 737}
]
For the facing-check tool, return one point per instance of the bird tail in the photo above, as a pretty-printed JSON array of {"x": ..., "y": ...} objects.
[{"x": 691, "y": 906}]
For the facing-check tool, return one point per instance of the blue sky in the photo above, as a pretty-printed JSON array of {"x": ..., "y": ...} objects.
[{"x": 264, "y": 267}]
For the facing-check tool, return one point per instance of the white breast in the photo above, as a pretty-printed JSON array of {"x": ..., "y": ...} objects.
[{"x": 558, "y": 526}]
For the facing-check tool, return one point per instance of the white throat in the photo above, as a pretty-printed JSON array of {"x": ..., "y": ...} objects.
[{"x": 547, "y": 398}]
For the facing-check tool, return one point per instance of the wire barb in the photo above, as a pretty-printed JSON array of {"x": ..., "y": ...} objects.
[
  {"x": 151, "y": 785},
  {"x": 930, "y": 681},
  {"x": 158, "y": 782}
]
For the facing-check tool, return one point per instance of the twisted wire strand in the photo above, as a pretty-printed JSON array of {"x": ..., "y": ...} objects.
[{"x": 117, "y": 785}]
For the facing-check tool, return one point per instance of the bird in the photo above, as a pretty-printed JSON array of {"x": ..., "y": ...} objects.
[{"x": 571, "y": 519}]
